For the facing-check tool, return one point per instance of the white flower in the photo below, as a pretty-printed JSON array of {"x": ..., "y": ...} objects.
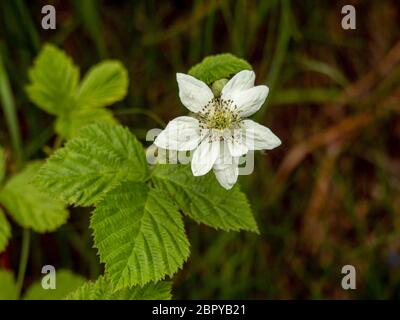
[{"x": 218, "y": 133}]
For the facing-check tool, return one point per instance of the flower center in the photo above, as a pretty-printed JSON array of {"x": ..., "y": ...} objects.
[
  {"x": 220, "y": 120},
  {"x": 219, "y": 114}
]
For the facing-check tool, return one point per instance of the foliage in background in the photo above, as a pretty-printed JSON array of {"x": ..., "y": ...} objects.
[
  {"x": 56, "y": 89},
  {"x": 328, "y": 197}
]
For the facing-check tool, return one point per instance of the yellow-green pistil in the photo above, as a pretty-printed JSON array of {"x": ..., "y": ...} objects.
[{"x": 218, "y": 116}]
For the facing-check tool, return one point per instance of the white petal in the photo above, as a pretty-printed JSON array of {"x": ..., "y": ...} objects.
[
  {"x": 237, "y": 147},
  {"x": 180, "y": 134},
  {"x": 193, "y": 93},
  {"x": 226, "y": 170},
  {"x": 250, "y": 101},
  {"x": 224, "y": 156},
  {"x": 204, "y": 157},
  {"x": 227, "y": 177},
  {"x": 258, "y": 137},
  {"x": 243, "y": 80}
]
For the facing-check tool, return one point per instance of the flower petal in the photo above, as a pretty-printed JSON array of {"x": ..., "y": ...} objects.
[
  {"x": 204, "y": 157},
  {"x": 226, "y": 170},
  {"x": 243, "y": 80},
  {"x": 250, "y": 101},
  {"x": 237, "y": 147},
  {"x": 258, "y": 137},
  {"x": 193, "y": 93},
  {"x": 181, "y": 134}
]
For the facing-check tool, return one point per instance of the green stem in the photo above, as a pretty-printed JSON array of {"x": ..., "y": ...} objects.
[{"x": 23, "y": 261}]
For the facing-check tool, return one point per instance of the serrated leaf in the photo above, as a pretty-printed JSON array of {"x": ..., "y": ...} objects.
[
  {"x": 104, "y": 84},
  {"x": 102, "y": 289},
  {"x": 69, "y": 124},
  {"x": 66, "y": 282},
  {"x": 93, "y": 163},
  {"x": 28, "y": 206},
  {"x": 217, "y": 67},
  {"x": 203, "y": 199},
  {"x": 54, "y": 79},
  {"x": 2, "y": 164},
  {"x": 8, "y": 288},
  {"x": 54, "y": 88},
  {"x": 5, "y": 231},
  {"x": 139, "y": 234}
]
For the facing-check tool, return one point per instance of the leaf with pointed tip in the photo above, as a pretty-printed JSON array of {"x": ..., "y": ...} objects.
[
  {"x": 54, "y": 80},
  {"x": 220, "y": 66},
  {"x": 92, "y": 164},
  {"x": 104, "y": 84},
  {"x": 102, "y": 289},
  {"x": 28, "y": 206},
  {"x": 139, "y": 234},
  {"x": 204, "y": 200},
  {"x": 54, "y": 87}
]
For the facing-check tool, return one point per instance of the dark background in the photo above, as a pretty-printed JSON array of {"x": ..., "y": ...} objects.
[{"x": 327, "y": 197}]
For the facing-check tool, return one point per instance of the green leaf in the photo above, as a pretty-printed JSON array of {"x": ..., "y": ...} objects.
[
  {"x": 29, "y": 207},
  {"x": 69, "y": 124},
  {"x": 5, "y": 231},
  {"x": 102, "y": 289},
  {"x": 66, "y": 282},
  {"x": 217, "y": 67},
  {"x": 92, "y": 164},
  {"x": 2, "y": 164},
  {"x": 54, "y": 88},
  {"x": 54, "y": 79},
  {"x": 8, "y": 288},
  {"x": 139, "y": 234},
  {"x": 204, "y": 200},
  {"x": 104, "y": 84}
]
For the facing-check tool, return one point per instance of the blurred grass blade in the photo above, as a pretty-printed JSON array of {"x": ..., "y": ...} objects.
[
  {"x": 26, "y": 23},
  {"x": 280, "y": 51},
  {"x": 324, "y": 68},
  {"x": 282, "y": 45},
  {"x": 8, "y": 105},
  {"x": 89, "y": 13}
]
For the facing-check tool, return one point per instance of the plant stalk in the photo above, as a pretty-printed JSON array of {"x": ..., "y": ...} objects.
[{"x": 23, "y": 260}]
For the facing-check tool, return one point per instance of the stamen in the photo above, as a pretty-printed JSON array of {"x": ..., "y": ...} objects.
[{"x": 219, "y": 116}]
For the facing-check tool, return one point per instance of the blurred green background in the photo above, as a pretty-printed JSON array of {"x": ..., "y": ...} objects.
[{"x": 329, "y": 196}]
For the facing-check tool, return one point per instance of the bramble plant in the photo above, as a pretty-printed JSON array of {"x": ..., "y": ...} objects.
[{"x": 137, "y": 217}]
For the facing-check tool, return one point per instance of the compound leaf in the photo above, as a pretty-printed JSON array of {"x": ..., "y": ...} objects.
[
  {"x": 92, "y": 164},
  {"x": 139, "y": 234},
  {"x": 204, "y": 200},
  {"x": 28, "y": 206},
  {"x": 54, "y": 87},
  {"x": 54, "y": 79},
  {"x": 102, "y": 289}
]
